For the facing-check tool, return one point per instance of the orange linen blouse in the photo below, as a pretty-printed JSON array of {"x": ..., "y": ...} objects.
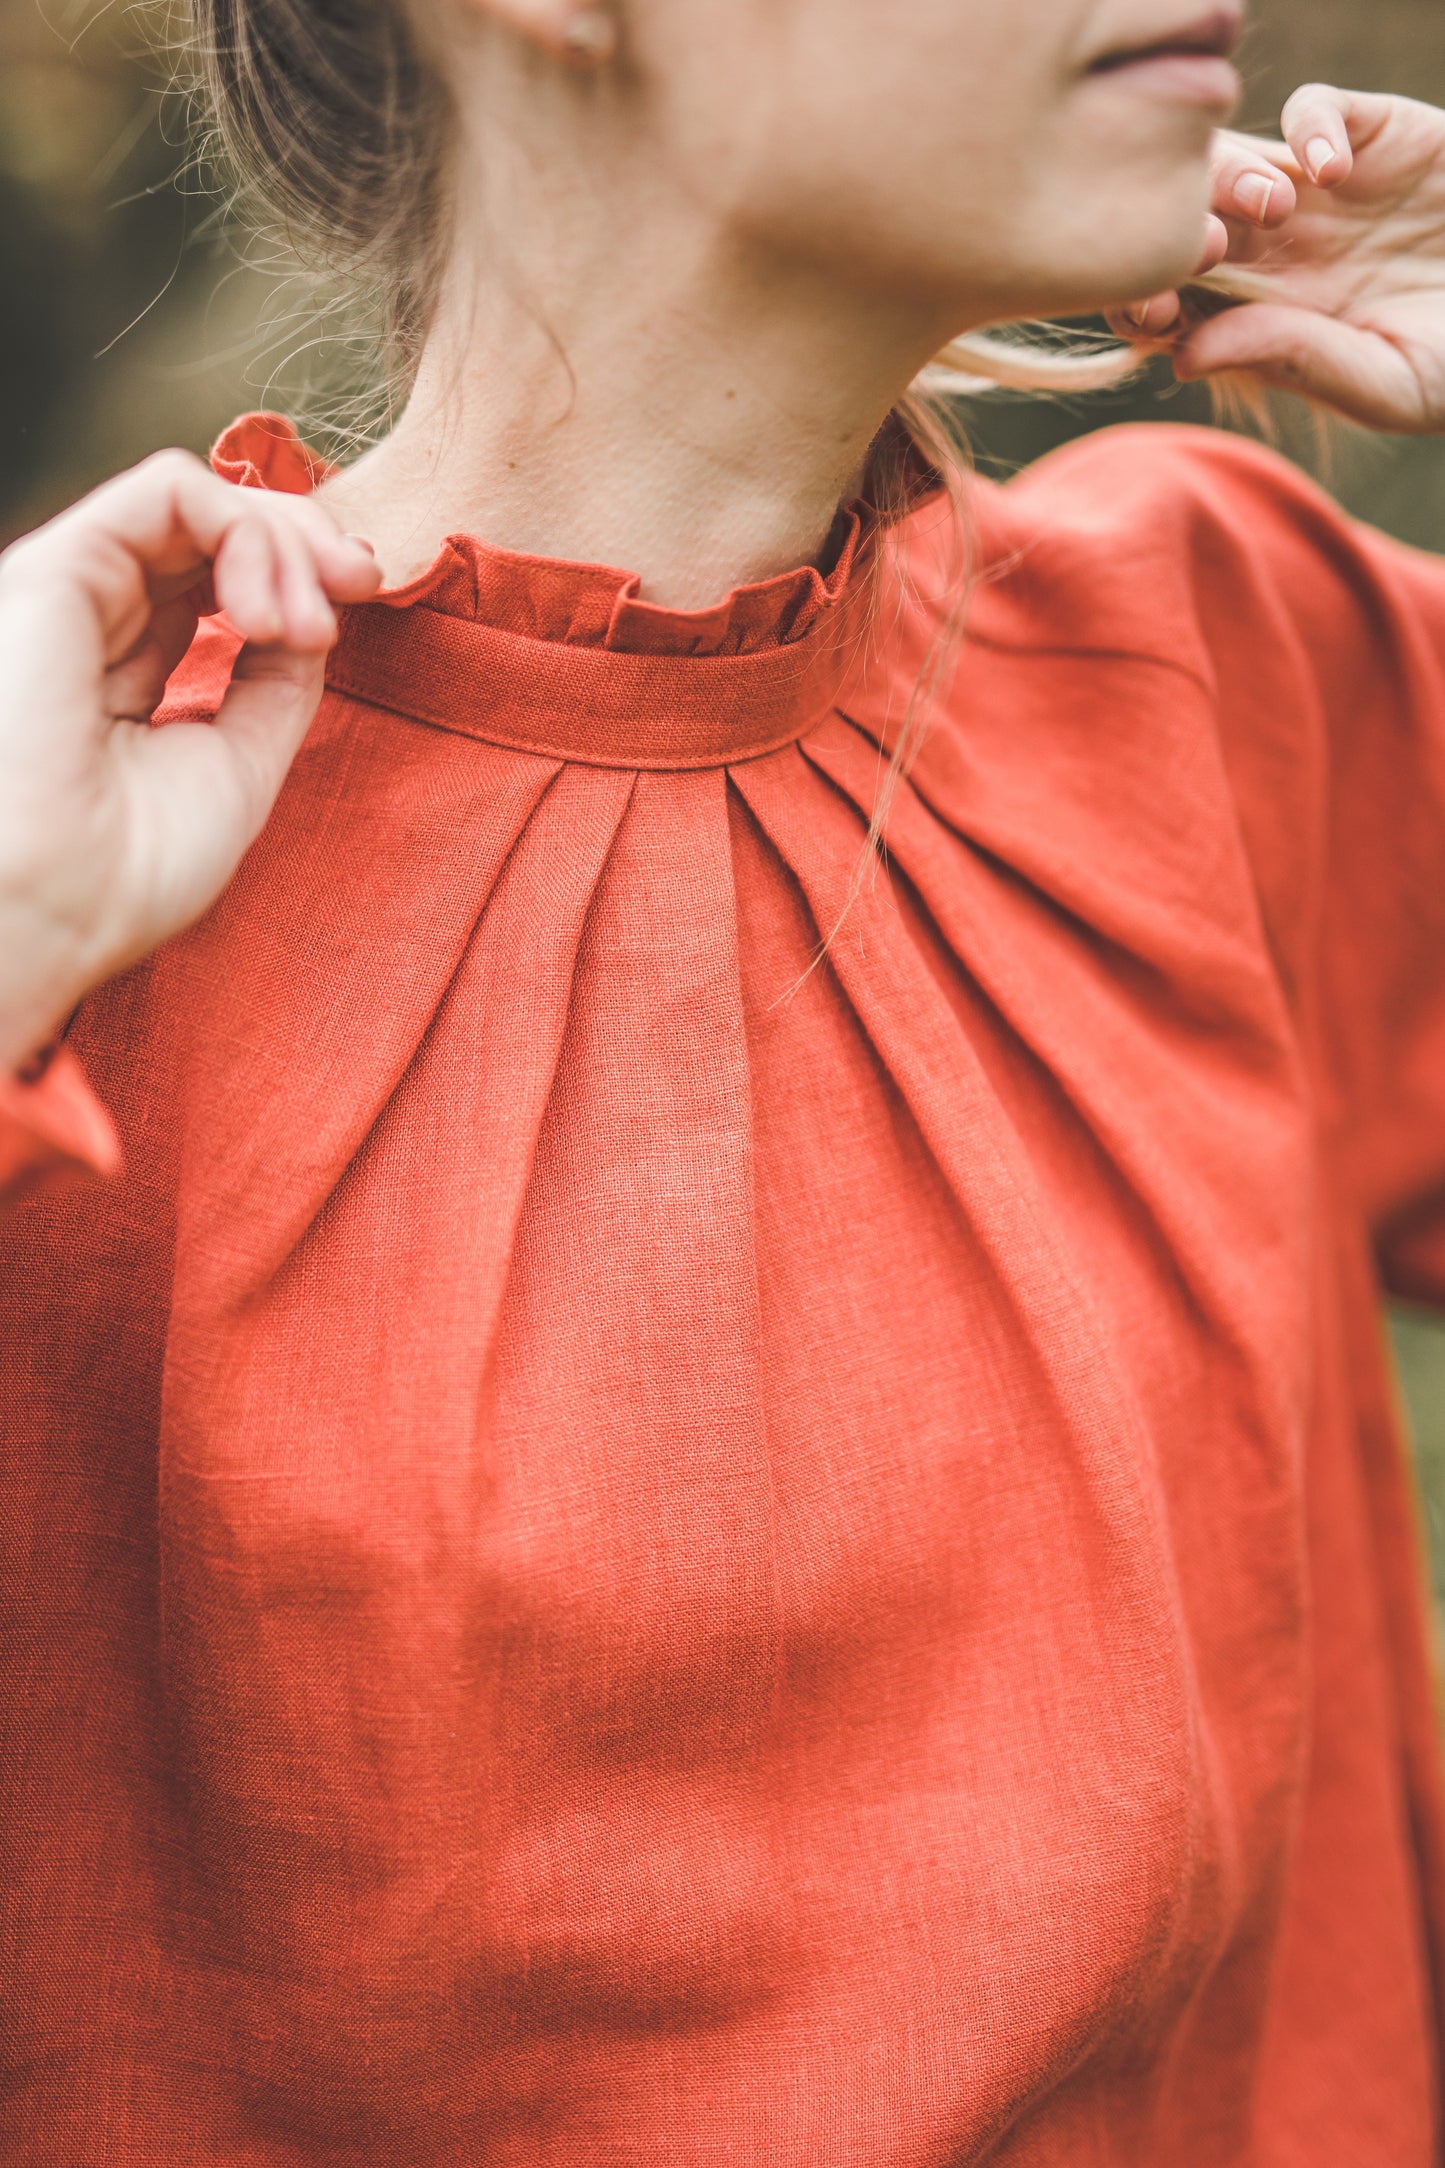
[{"x": 626, "y": 1547}]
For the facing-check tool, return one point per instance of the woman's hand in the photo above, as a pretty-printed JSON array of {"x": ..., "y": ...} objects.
[
  {"x": 1337, "y": 235},
  {"x": 113, "y": 836}
]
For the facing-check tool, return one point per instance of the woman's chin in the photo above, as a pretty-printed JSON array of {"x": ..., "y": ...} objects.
[{"x": 1120, "y": 278}]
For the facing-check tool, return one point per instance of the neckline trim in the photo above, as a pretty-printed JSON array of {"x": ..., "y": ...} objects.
[{"x": 565, "y": 661}]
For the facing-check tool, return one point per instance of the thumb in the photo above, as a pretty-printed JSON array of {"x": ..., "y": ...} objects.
[
  {"x": 269, "y": 705},
  {"x": 1359, "y": 373},
  {"x": 209, "y": 787}
]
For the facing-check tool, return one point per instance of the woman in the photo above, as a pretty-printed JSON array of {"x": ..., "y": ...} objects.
[{"x": 681, "y": 1500}]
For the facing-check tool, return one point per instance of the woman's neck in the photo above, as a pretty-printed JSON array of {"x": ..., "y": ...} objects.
[{"x": 664, "y": 404}]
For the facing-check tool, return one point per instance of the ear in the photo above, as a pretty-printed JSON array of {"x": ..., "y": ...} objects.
[{"x": 581, "y": 35}]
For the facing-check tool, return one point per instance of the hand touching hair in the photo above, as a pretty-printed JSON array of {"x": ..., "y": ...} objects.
[{"x": 1331, "y": 245}]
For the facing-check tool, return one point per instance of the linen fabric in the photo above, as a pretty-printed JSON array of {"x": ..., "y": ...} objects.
[{"x": 629, "y": 1543}]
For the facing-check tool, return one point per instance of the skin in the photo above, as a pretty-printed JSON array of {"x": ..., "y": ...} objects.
[
  {"x": 697, "y": 254},
  {"x": 1344, "y": 219},
  {"x": 695, "y": 216}
]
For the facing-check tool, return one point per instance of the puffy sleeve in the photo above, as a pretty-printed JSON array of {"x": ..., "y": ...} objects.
[
  {"x": 1319, "y": 645},
  {"x": 1326, "y": 644},
  {"x": 1382, "y": 910}
]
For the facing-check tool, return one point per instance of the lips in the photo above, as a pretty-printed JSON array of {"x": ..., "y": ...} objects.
[{"x": 1212, "y": 36}]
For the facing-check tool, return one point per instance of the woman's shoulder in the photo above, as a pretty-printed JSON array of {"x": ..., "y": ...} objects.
[
  {"x": 1104, "y": 477},
  {"x": 1174, "y": 630},
  {"x": 1155, "y": 539}
]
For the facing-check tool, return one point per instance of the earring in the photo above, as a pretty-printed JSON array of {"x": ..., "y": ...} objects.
[{"x": 589, "y": 38}]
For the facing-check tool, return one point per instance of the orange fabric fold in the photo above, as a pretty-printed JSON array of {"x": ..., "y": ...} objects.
[{"x": 52, "y": 1125}]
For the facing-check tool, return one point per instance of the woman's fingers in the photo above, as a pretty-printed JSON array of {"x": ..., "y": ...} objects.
[
  {"x": 346, "y": 562},
  {"x": 281, "y": 568},
  {"x": 266, "y": 713},
  {"x": 267, "y": 580},
  {"x": 202, "y": 792},
  {"x": 232, "y": 768},
  {"x": 246, "y": 578},
  {"x": 308, "y": 619},
  {"x": 1154, "y": 319},
  {"x": 1245, "y": 183},
  {"x": 114, "y": 835},
  {"x": 1325, "y": 128},
  {"x": 1255, "y": 193},
  {"x": 133, "y": 687},
  {"x": 1355, "y": 371},
  {"x": 1143, "y": 322},
  {"x": 1216, "y": 246},
  {"x": 158, "y": 530}
]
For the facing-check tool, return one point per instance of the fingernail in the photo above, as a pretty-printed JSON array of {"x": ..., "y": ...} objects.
[
  {"x": 1319, "y": 157},
  {"x": 1137, "y": 314},
  {"x": 1253, "y": 194},
  {"x": 361, "y": 543},
  {"x": 590, "y": 37}
]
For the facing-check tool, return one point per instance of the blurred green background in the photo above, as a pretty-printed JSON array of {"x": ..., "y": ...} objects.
[{"x": 130, "y": 322}]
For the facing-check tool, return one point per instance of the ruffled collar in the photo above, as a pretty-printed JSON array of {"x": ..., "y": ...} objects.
[{"x": 553, "y": 599}]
